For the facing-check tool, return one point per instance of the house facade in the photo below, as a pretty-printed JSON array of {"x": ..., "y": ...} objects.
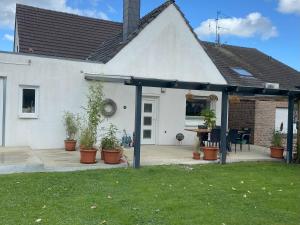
[{"x": 56, "y": 54}]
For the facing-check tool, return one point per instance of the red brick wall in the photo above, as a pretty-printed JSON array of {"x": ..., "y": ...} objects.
[{"x": 241, "y": 115}]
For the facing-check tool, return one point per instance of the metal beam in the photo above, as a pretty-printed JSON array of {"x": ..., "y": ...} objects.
[
  {"x": 4, "y": 79},
  {"x": 137, "y": 127},
  {"x": 224, "y": 110},
  {"x": 290, "y": 129}
]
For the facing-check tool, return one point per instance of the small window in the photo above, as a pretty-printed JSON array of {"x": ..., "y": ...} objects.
[
  {"x": 242, "y": 72},
  {"x": 147, "y": 108},
  {"x": 28, "y": 102}
]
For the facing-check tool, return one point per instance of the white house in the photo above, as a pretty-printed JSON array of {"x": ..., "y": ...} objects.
[{"x": 55, "y": 52}]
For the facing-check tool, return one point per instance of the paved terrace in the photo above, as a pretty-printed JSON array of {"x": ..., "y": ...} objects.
[{"x": 24, "y": 159}]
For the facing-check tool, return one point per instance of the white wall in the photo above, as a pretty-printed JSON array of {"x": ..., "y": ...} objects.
[
  {"x": 63, "y": 87},
  {"x": 165, "y": 49}
]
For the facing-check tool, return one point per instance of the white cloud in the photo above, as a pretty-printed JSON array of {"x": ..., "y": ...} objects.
[
  {"x": 8, "y": 8},
  {"x": 289, "y": 6},
  {"x": 8, "y": 37},
  {"x": 252, "y": 25}
]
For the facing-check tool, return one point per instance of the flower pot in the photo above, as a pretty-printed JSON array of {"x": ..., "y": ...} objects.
[
  {"x": 88, "y": 156},
  {"x": 196, "y": 155},
  {"x": 111, "y": 156},
  {"x": 277, "y": 152},
  {"x": 70, "y": 145},
  {"x": 210, "y": 153}
]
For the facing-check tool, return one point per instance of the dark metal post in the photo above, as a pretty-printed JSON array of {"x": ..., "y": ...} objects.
[
  {"x": 290, "y": 130},
  {"x": 223, "y": 145},
  {"x": 137, "y": 127}
]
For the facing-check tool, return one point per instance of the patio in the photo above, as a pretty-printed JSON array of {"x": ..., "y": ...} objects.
[{"x": 24, "y": 159}]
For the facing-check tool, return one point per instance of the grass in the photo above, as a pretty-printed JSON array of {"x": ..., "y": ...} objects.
[{"x": 244, "y": 193}]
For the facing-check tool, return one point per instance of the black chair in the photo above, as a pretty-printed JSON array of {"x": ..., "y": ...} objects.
[
  {"x": 234, "y": 138},
  {"x": 215, "y": 137},
  {"x": 246, "y": 135}
]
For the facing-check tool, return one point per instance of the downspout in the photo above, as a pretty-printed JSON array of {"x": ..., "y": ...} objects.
[{"x": 4, "y": 79}]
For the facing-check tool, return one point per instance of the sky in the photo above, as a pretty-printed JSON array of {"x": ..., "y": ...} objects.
[{"x": 272, "y": 26}]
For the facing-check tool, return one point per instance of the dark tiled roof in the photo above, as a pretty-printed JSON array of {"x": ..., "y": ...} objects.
[
  {"x": 108, "y": 49},
  {"x": 264, "y": 68},
  {"x": 52, "y": 33}
]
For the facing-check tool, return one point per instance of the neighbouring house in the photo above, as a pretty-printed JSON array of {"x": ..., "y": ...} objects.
[{"x": 57, "y": 54}]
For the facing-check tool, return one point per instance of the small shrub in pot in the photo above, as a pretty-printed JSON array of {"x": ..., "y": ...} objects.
[
  {"x": 276, "y": 145},
  {"x": 111, "y": 146},
  {"x": 71, "y": 122}
]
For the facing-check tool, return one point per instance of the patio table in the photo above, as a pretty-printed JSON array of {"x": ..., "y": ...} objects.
[{"x": 199, "y": 132}]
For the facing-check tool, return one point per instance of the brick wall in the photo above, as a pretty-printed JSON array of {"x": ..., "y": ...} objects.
[
  {"x": 242, "y": 115},
  {"x": 265, "y": 112}
]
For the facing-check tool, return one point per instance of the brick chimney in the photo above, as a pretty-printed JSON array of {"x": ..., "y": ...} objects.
[{"x": 131, "y": 17}]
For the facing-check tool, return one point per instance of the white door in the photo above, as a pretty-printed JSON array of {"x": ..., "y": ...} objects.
[
  {"x": 1, "y": 109},
  {"x": 149, "y": 121}
]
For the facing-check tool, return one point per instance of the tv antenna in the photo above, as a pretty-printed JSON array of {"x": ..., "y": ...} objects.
[{"x": 218, "y": 37}]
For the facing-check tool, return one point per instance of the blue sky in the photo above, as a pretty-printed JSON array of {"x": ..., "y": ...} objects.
[{"x": 272, "y": 26}]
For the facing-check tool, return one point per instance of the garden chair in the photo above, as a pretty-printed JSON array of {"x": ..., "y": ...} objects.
[
  {"x": 246, "y": 135},
  {"x": 234, "y": 138}
]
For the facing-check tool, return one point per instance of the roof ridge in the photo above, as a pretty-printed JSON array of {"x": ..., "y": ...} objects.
[
  {"x": 18, "y": 5},
  {"x": 235, "y": 46}
]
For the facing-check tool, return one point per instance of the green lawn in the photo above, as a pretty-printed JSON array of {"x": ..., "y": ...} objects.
[{"x": 244, "y": 193}]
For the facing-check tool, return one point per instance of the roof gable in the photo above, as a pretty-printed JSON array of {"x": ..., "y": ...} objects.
[{"x": 165, "y": 49}]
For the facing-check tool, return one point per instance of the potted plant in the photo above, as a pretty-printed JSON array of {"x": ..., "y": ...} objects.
[
  {"x": 196, "y": 152},
  {"x": 71, "y": 122},
  {"x": 87, "y": 150},
  {"x": 88, "y": 137},
  {"x": 111, "y": 147},
  {"x": 209, "y": 116},
  {"x": 276, "y": 147}
]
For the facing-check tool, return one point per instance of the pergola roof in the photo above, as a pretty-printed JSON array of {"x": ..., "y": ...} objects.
[{"x": 231, "y": 89}]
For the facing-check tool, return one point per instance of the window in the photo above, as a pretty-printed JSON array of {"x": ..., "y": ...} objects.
[
  {"x": 28, "y": 99},
  {"x": 195, "y": 106},
  {"x": 242, "y": 72}
]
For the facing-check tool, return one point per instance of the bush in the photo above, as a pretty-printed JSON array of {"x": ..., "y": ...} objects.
[
  {"x": 87, "y": 139},
  {"x": 71, "y": 122},
  {"x": 277, "y": 139},
  {"x": 110, "y": 141},
  {"x": 93, "y": 117},
  {"x": 209, "y": 118}
]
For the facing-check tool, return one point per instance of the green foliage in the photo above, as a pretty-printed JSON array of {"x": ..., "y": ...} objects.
[
  {"x": 209, "y": 118},
  {"x": 71, "y": 122},
  {"x": 276, "y": 139},
  {"x": 94, "y": 106},
  {"x": 110, "y": 140},
  {"x": 95, "y": 97},
  {"x": 87, "y": 138}
]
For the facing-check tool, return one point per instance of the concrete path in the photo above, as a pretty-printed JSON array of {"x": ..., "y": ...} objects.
[
  {"x": 167, "y": 155},
  {"x": 24, "y": 159}
]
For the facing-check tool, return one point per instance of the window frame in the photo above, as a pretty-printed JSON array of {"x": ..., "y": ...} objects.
[
  {"x": 194, "y": 121},
  {"x": 34, "y": 115}
]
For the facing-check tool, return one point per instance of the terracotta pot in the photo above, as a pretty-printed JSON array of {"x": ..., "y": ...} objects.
[
  {"x": 196, "y": 155},
  {"x": 210, "y": 153},
  {"x": 70, "y": 145},
  {"x": 88, "y": 156},
  {"x": 277, "y": 152},
  {"x": 111, "y": 156}
]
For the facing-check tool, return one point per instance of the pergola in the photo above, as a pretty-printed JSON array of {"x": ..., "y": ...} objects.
[{"x": 226, "y": 90}]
